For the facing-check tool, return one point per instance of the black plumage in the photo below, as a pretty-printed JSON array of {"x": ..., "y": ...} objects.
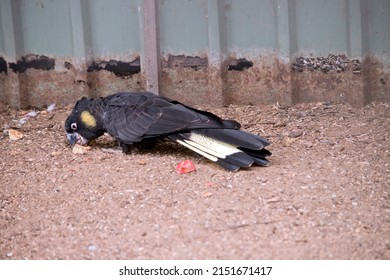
[{"x": 134, "y": 118}]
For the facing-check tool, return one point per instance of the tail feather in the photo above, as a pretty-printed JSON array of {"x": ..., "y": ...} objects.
[
  {"x": 190, "y": 145},
  {"x": 228, "y": 166},
  {"x": 258, "y": 156},
  {"x": 238, "y": 138},
  {"x": 230, "y": 148}
]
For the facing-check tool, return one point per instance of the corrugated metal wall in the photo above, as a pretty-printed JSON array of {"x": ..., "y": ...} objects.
[{"x": 199, "y": 51}]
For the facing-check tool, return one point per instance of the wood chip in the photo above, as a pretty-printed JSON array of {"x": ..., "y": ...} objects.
[
  {"x": 56, "y": 153},
  {"x": 207, "y": 194},
  {"x": 287, "y": 142},
  {"x": 15, "y": 135},
  {"x": 280, "y": 124},
  {"x": 80, "y": 150}
]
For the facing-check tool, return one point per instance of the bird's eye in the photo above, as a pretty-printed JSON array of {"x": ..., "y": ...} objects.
[{"x": 73, "y": 126}]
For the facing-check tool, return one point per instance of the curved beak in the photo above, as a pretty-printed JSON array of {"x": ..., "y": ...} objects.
[
  {"x": 75, "y": 138},
  {"x": 72, "y": 138}
]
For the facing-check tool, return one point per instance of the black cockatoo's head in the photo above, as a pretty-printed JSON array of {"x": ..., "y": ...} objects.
[{"x": 84, "y": 123}]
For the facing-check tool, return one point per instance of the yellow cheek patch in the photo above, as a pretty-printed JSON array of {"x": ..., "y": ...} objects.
[{"x": 88, "y": 119}]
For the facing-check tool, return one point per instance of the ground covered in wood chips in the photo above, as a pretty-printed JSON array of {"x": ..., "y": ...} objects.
[{"x": 326, "y": 194}]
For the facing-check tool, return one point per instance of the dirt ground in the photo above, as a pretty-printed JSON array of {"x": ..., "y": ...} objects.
[{"x": 326, "y": 194}]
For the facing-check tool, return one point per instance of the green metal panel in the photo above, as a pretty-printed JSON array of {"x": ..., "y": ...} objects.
[
  {"x": 321, "y": 26},
  {"x": 42, "y": 27},
  {"x": 7, "y": 30},
  {"x": 114, "y": 26},
  {"x": 250, "y": 24},
  {"x": 100, "y": 27},
  {"x": 377, "y": 16},
  {"x": 182, "y": 26},
  {"x": 2, "y": 27},
  {"x": 70, "y": 28}
]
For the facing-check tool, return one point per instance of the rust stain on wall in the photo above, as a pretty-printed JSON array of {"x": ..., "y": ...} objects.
[
  {"x": 37, "y": 80},
  {"x": 32, "y": 61},
  {"x": 376, "y": 78},
  {"x": 343, "y": 87},
  {"x": 266, "y": 82},
  {"x": 3, "y": 66},
  {"x": 181, "y": 61},
  {"x": 38, "y": 88},
  {"x": 119, "y": 68},
  {"x": 335, "y": 78},
  {"x": 186, "y": 85},
  {"x": 186, "y": 78},
  {"x": 104, "y": 83},
  {"x": 239, "y": 64},
  {"x": 239, "y": 81},
  {"x": 356, "y": 83}
]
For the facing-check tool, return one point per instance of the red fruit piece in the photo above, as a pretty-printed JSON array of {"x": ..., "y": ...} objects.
[{"x": 186, "y": 166}]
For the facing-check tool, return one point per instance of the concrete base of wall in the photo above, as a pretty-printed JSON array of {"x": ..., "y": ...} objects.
[{"x": 266, "y": 80}]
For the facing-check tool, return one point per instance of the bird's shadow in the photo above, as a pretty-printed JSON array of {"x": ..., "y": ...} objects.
[{"x": 161, "y": 147}]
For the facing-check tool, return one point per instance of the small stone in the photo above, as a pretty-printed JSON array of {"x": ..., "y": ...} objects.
[
  {"x": 92, "y": 248},
  {"x": 295, "y": 133}
]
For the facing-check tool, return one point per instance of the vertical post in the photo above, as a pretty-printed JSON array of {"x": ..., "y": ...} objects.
[
  {"x": 356, "y": 44},
  {"x": 283, "y": 43},
  {"x": 283, "y": 27},
  {"x": 151, "y": 53},
  {"x": 77, "y": 25},
  {"x": 13, "y": 45},
  {"x": 80, "y": 29},
  {"x": 7, "y": 22},
  {"x": 215, "y": 49}
]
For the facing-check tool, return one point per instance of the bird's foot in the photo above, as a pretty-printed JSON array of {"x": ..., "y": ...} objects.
[{"x": 128, "y": 149}]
